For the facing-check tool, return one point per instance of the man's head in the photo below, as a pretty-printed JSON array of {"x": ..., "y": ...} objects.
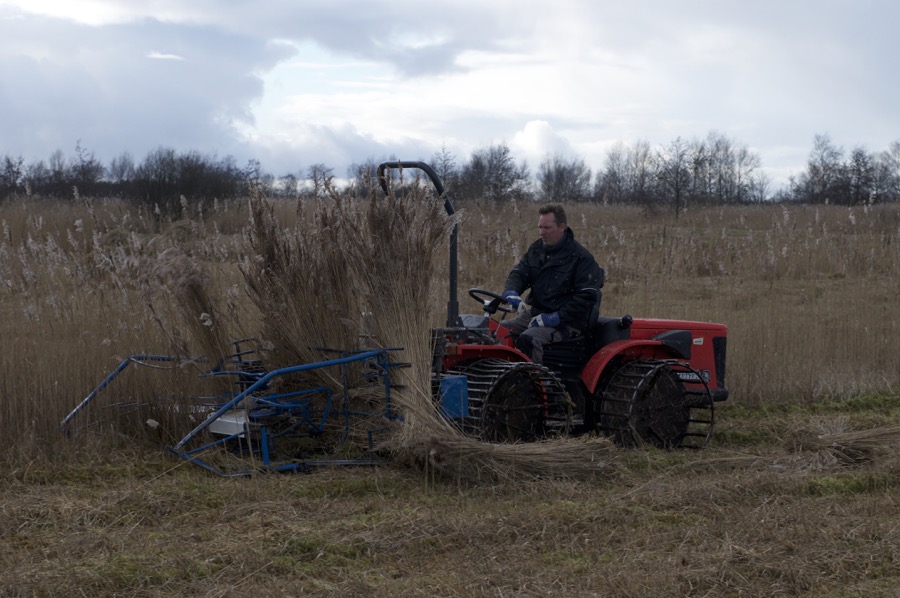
[{"x": 552, "y": 223}]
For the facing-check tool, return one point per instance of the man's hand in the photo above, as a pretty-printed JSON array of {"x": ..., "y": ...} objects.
[
  {"x": 512, "y": 298},
  {"x": 550, "y": 320}
]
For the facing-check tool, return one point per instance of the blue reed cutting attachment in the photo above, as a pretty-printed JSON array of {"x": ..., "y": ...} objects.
[{"x": 281, "y": 420}]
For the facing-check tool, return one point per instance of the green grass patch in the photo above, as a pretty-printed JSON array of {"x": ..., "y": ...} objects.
[
  {"x": 850, "y": 484},
  {"x": 122, "y": 572}
]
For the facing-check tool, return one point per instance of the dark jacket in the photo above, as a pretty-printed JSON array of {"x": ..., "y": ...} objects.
[{"x": 564, "y": 278}]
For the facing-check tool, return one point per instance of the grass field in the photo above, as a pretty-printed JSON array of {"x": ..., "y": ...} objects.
[{"x": 796, "y": 494}]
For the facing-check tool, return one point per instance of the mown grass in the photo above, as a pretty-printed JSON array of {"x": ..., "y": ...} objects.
[
  {"x": 719, "y": 522},
  {"x": 791, "y": 497}
]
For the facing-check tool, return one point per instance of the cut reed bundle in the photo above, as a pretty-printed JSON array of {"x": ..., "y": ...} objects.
[{"x": 830, "y": 444}]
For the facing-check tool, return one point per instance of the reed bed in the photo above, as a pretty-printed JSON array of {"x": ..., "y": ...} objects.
[
  {"x": 808, "y": 292},
  {"x": 795, "y": 496}
]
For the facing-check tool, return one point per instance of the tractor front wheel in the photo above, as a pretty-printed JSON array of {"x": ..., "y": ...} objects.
[{"x": 662, "y": 403}]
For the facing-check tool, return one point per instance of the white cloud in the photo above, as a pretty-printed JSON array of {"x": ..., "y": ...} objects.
[
  {"x": 86, "y": 12},
  {"x": 163, "y": 56},
  {"x": 537, "y": 141}
]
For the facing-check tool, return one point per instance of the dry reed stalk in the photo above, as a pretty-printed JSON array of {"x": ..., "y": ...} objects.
[
  {"x": 823, "y": 446},
  {"x": 297, "y": 279},
  {"x": 817, "y": 325},
  {"x": 188, "y": 282},
  {"x": 830, "y": 445},
  {"x": 457, "y": 457}
]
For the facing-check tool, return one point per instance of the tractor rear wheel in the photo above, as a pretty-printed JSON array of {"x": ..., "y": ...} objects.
[{"x": 662, "y": 403}]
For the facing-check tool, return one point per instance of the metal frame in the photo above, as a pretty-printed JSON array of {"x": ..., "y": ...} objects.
[{"x": 256, "y": 408}]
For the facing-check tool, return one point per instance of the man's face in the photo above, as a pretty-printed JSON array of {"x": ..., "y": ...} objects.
[{"x": 551, "y": 232}]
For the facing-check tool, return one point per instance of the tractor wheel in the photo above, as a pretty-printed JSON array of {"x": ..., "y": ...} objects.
[
  {"x": 650, "y": 402},
  {"x": 516, "y": 402}
]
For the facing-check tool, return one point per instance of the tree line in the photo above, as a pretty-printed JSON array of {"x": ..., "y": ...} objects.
[
  {"x": 833, "y": 176},
  {"x": 713, "y": 170}
]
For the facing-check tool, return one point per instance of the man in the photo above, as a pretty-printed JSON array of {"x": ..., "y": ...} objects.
[{"x": 565, "y": 283}]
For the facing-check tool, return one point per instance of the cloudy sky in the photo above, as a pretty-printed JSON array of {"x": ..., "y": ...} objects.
[{"x": 298, "y": 82}]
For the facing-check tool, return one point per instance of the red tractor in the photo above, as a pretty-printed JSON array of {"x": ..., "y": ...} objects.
[{"x": 638, "y": 380}]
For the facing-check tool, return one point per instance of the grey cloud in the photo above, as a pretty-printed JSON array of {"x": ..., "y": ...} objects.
[
  {"x": 375, "y": 31},
  {"x": 119, "y": 87},
  {"x": 97, "y": 84},
  {"x": 782, "y": 71}
]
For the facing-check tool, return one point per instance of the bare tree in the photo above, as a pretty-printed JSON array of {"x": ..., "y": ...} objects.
[
  {"x": 121, "y": 168},
  {"x": 362, "y": 177},
  {"x": 86, "y": 169},
  {"x": 253, "y": 171},
  {"x": 641, "y": 174},
  {"x": 860, "y": 176},
  {"x": 611, "y": 183},
  {"x": 629, "y": 175},
  {"x": 11, "y": 175},
  {"x": 745, "y": 165},
  {"x": 444, "y": 164},
  {"x": 759, "y": 186},
  {"x": 823, "y": 171},
  {"x": 701, "y": 172},
  {"x": 59, "y": 175},
  {"x": 319, "y": 178},
  {"x": 674, "y": 174},
  {"x": 721, "y": 167},
  {"x": 289, "y": 186},
  {"x": 888, "y": 174},
  {"x": 37, "y": 177},
  {"x": 156, "y": 179},
  {"x": 561, "y": 179},
  {"x": 493, "y": 174}
]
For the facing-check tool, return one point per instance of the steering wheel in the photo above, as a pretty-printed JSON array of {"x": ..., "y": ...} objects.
[{"x": 496, "y": 303}]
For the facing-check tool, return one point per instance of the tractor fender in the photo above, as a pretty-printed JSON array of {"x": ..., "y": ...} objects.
[
  {"x": 457, "y": 355},
  {"x": 629, "y": 350}
]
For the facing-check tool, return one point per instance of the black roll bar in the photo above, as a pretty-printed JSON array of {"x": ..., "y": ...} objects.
[{"x": 452, "y": 303}]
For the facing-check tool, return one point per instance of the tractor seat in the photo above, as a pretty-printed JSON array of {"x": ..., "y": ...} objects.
[
  {"x": 573, "y": 353},
  {"x": 602, "y": 330},
  {"x": 605, "y": 330}
]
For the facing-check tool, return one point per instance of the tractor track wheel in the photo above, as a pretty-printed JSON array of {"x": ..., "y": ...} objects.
[
  {"x": 662, "y": 403},
  {"x": 515, "y": 401}
]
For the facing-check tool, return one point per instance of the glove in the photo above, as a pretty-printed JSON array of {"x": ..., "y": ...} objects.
[
  {"x": 550, "y": 320},
  {"x": 512, "y": 298}
]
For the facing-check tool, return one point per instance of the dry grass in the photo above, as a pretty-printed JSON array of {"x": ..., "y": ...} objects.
[
  {"x": 710, "y": 523},
  {"x": 796, "y": 495}
]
